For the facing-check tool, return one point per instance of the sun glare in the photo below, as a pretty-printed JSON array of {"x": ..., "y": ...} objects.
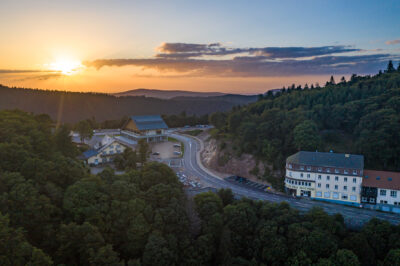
[{"x": 66, "y": 66}]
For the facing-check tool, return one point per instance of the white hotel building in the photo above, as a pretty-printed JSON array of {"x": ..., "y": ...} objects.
[{"x": 327, "y": 176}]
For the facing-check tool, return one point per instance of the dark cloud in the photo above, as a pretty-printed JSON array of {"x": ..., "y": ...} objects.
[
  {"x": 254, "y": 62},
  {"x": 180, "y": 50},
  {"x": 393, "y": 42},
  {"x": 297, "y": 52}
]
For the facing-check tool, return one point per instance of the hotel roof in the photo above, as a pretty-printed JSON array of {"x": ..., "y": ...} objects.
[
  {"x": 149, "y": 122},
  {"x": 327, "y": 159},
  {"x": 381, "y": 179}
]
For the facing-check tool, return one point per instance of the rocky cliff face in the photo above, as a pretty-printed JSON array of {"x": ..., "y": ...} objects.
[{"x": 224, "y": 160}]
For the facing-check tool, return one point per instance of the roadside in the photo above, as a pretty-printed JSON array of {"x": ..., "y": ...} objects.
[{"x": 220, "y": 158}]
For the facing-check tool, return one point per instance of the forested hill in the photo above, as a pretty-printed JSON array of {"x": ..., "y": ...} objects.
[
  {"x": 53, "y": 212},
  {"x": 73, "y": 106},
  {"x": 359, "y": 116}
]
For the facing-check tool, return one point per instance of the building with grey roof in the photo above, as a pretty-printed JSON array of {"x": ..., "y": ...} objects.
[
  {"x": 327, "y": 176},
  {"x": 149, "y": 127}
]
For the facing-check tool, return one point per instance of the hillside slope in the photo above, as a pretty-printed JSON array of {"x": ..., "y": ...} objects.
[{"x": 360, "y": 116}]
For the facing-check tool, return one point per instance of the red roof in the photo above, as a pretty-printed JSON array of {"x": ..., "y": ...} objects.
[{"x": 381, "y": 179}]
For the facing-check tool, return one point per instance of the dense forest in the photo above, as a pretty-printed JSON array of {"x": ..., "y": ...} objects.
[
  {"x": 360, "y": 116},
  {"x": 72, "y": 107},
  {"x": 53, "y": 212}
]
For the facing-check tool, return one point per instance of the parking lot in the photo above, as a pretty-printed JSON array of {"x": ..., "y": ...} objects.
[{"x": 248, "y": 183}]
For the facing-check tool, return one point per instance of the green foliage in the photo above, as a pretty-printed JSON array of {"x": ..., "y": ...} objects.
[
  {"x": 85, "y": 129},
  {"x": 306, "y": 136},
  {"x": 363, "y": 113},
  {"x": 52, "y": 211}
]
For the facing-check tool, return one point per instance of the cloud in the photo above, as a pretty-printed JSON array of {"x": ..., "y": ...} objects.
[
  {"x": 181, "y": 50},
  {"x": 188, "y": 59},
  {"x": 391, "y": 42},
  {"x": 25, "y": 71},
  {"x": 30, "y": 74}
]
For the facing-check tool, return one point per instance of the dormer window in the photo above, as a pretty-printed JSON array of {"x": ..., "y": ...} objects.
[
  {"x": 319, "y": 169},
  {"x": 308, "y": 168},
  {"x": 346, "y": 172},
  {"x": 354, "y": 172},
  {"x": 328, "y": 170},
  {"x": 337, "y": 171},
  {"x": 301, "y": 167}
]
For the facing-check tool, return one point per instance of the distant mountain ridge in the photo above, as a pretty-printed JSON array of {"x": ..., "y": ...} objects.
[
  {"x": 166, "y": 94},
  {"x": 74, "y": 106}
]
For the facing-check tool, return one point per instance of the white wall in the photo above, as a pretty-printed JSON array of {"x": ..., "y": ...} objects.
[
  {"x": 321, "y": 189},
  {"x": 388, "y": 198}
]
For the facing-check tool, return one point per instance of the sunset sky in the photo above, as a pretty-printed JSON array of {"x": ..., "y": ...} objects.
[{"x": 229, "y": 46}]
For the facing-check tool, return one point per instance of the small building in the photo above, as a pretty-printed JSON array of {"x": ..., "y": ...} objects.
[
  {"x": 381, "y": 188},
  {"x": 103, "y": 152},
  {"x": 149, "y": 127},
  {"x": 327, "y": 176}
]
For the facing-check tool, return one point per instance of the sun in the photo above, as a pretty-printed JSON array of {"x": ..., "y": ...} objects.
[{"x": 66, "y": 66}]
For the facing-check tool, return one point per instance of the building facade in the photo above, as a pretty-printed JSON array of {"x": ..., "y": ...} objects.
[
  {"x": 148, "y": 127},
  {"x": 105, "y": 153},
  {"x": 326, "y": 176},
  {"x": 386, "y": 188}
]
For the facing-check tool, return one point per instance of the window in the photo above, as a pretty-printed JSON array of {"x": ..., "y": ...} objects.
[
  {"x": 345, "y": 179},
  {"x": 393, "y": 193},
  {"x": 335, "y": 195},
  {"x": 345, "y": 172},
  {"x": 372, "y": 200},
  {"x": 383, "y": 192},
  {"x": 336, "y": 187},
  {"x": 353, "y": 197},
  {"x": 308, "y": 168},
  {"x": 344, "y": 196},
  {"x": 319, "y": 177},
  {"x": 319, "y": 184},
  {"x": 301, "y": 167},
  {"x": 295, "y": 182},
  {"x": 111, "y": 146},
  {"x": 336, "y": 178},
  {"x": 290, "y": 166},
  {"x": 328, "y": 177},
  {"x": 353, "y": 189},
  {"x": 328, "y": 170},
  {"x": 337, "y": 171},
  {"x": 318, "y": 194},
  {"x": 327, "y": 194},
  {"x": 364, "y": 199},
  {"x": 344, "y": 187},
  {"x": 354, "y": 172},
  {"x": 327, "y": 185},
  {"x": 290, "y": 173},
  {"x": 301, "y": 175},
  {"x": 354, "y": 180},
  {"x": 308, "y": 175},
  {"x": 319, "y": 169}
]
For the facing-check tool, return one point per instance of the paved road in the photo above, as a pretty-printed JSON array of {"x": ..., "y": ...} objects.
[{"x": 354, "y": 217}]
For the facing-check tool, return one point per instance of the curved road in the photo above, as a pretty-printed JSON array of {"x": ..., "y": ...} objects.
[{"x": 354, "y": 217}]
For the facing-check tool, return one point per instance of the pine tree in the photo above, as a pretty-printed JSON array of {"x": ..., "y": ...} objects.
[
  {"x": 390, "y": 67},
  {"x": 343, "y": 80},
  {"x": 332, "y": 81},
  {"x": 398, "y": 67}
]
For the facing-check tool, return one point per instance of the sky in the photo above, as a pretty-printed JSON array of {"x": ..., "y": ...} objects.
[{"x": 228, "y": 46}]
